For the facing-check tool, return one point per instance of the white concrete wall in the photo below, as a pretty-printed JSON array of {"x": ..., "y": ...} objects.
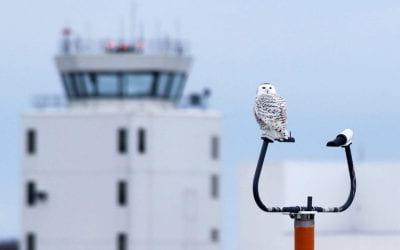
[
  {"x": 77, "y": 164},
  {"x": 370, "y": 223},
  {"x": 178, "y": 211}
]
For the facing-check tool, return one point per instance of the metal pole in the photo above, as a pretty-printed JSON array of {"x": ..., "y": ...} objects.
[{"x": 303, "y": 231}]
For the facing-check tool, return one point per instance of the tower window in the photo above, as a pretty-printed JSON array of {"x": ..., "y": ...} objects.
[
  {"x": 214, "y": 186},
  {"x": 122, "y": 241},
  {"x": 214, "y": 235},
  {"x": 122, "y": 193},
  {"x": 145, "y": 84},
  {"x": 122, "y": 140},
  {"x": 215, "y": 147},
  {"x": 30, "y": 241},
  {"x": 108, "y": 85},
  {"x": 142, "y": 140},
  {"x": 31, "y": 141},
  {"x": 30, "y": 193}
]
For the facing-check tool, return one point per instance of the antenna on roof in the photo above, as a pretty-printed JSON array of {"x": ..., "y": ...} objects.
[
  {"x": 142, "y": 30},
  {"x": 66, "y": 40},
  {"x": 157, "y": 29},
  {"x": 87, "y": 43},
  {"x": 178, "y": 46},
  {"x": 177, "y": 29},
  {"x": 139, "y": 44},
  {"x": 132, "y": 26},
  {"x": 122, "y": 30}
]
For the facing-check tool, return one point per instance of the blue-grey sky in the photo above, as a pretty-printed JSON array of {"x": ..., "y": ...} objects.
[{"x": 336, "y": 63}]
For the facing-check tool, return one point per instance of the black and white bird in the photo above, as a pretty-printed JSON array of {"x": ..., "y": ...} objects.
[{"x": 271, "y": 113}]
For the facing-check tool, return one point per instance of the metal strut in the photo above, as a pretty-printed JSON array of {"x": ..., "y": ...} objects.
[{"x": 309, "y": 207}]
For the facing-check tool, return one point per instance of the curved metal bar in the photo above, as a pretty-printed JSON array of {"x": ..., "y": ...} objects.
[
  {"x": 256, "y": 179},
  {"x": 353, "y": 185},
  {"x": 297, "y": 209}
]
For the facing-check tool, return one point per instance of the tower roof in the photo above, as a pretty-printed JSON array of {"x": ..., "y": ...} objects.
[
  {"x": 126, "y": 75},
  {"x": 122, "y": 62}
]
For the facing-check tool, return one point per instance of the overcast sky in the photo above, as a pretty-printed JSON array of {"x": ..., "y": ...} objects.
[{"x": 336, "y": 63}]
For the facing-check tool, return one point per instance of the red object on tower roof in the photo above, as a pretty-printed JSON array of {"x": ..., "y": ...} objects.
[{"x": 66, "y": 31}]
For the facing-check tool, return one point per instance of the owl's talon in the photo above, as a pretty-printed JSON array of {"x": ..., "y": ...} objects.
[{"x": 290, "y": 139}]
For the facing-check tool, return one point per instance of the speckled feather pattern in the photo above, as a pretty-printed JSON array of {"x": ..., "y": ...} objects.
[{"x": 271, "y": 114}]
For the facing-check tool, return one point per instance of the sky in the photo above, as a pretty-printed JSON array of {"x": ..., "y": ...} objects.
[{"x": 335, "y": 62}]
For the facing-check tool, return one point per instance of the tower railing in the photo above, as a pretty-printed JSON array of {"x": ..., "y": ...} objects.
[{"x": 49, "y": 101}]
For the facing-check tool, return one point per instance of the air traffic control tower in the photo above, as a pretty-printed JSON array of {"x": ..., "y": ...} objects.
[{"x": 121, "y": 166}]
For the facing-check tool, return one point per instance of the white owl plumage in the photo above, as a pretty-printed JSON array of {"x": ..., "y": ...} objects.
[{"x": 271, "y": 113}]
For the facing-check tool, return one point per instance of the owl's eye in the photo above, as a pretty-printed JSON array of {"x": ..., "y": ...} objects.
[
  {"x": 270, "y": 87},
  {"x": 263, "y": 87}
]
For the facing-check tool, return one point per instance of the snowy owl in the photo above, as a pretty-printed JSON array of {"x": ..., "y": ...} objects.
[{"x": 270, "y": 111}]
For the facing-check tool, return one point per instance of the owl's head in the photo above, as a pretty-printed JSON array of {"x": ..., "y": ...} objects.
[{"x": 266, "y": 89}]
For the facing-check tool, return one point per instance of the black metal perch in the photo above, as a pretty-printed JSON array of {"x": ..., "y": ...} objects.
[{"x": 342, "y": 140}]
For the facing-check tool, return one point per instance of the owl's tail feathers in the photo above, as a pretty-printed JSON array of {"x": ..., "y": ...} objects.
[
  {"x": 269, "y": 134},
  {"x": 286, "y": 134},
  {"x": 273, "y": 135}
]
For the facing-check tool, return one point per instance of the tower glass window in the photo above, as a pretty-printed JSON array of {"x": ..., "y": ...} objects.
[
  {"x": 177, "y": 85},
  {"x": 163, "y": 85},
  {"x": 75, "y": 93},
  {"x": 152, "y": 84},
  {"x": 77, "y": 85},
  {"x": 80, "y": 85},
  {"x": 108, "y": 85},
  {"x": 67, "y": 85},
  {"x": 88, "y": 81},
  {"x": 138, "y": 85}
]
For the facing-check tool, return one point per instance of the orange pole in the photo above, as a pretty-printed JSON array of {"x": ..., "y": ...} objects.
[{"x": 304, "y": 232}]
